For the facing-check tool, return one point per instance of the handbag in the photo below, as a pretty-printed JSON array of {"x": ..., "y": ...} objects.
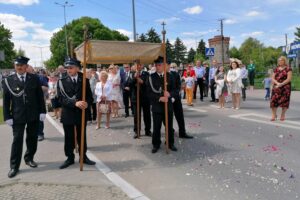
[{"x": 103, "y": 106}]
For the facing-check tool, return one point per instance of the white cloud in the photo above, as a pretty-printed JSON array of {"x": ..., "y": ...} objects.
[
  {"x": 293, "y": 28},
  {"x": 193, "y": 10},
  {"x": 253, "y": 13},
  {"x": 20, "y": 2},
  {"x": 230, "y": 21},
  {"x": 168, "y": 20},
  {"x": 28, "y": 35},
  {"x": 199, "y": 33},
  {"x": 253, "y": 34},
  {"x": 127, "y": 33}
]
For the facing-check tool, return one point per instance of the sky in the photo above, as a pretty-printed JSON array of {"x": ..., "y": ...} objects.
[{"x": 33, "y": 22}]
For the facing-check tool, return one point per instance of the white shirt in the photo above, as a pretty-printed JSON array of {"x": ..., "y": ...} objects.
[
  {"x": 234, "y": 75},
  {"x": 106, "y": 91},
  {"x": 190, "y": 81},
  {"x": 74, "y": 77},
  {"x": 24, "y": 75}
]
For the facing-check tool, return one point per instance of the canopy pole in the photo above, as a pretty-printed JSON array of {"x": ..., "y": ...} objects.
[
  {"x": 83, "y": 97},
  {"x": 165, "y": 87}
]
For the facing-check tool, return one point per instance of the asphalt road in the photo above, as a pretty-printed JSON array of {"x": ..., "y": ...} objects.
[{"x": 235, "y": 154}]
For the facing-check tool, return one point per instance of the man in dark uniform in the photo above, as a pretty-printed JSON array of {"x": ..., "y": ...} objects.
[
  {"x": 158, "y": 97},
  {"x": 69, "y": 90},
  {"x": 144, "y": 99},
  {"x": 177, "y": 105},
  {"x": 125, "y": 83},
  {"x": 23, "y": 106}
]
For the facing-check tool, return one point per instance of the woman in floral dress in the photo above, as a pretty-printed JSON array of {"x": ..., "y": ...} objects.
[{"x": 281, "y": 91}]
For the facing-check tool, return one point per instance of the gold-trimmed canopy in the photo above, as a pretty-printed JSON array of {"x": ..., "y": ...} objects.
[{"x": 119, "y": 52}]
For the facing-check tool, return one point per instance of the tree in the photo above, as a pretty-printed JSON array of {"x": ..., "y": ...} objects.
[
  {"x": 143, "y": 38},
  {"x": 152, "y": 36},
  {"x": 75, "y": 31},
  {"x": 297, "y": 34},
  {"x": 169, "y": 51},
  {"x": 234, "y": 53},
  {"x": 20, "y": 52},
  {"x": 7, "y": 47},
  {"x": 201, "y": 48},
  {"x": 191, "y": 55},
  {"x": 179, "y": 51}
]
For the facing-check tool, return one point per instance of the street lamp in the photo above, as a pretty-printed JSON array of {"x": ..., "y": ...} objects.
[
  {"x": 66, "y": 4},
  {"x": 41, "y": 50}
]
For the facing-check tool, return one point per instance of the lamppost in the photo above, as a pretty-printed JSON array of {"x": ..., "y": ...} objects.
[{"x": 66, "y": 4}]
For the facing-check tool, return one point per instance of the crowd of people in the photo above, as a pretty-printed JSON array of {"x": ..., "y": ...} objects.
[{"x": 136, "y": 88}]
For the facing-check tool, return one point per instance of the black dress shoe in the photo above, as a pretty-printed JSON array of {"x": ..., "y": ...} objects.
[
  {"x": 155, "y": 149},
  {"x": 173, "y": 148},
  {"x": 87, "y": 161},
  {"x": 31, "y": 163},
  {"x": 66, "y": 164},
  {"x": 186, "y": 136},
  {"x": 12, "y": 173},
  {"x": 212, "y": 100},
  {"x": 148, "y": 134},
  {"x": 135, "y": 136},
  {"x": 127, "y": 115}
]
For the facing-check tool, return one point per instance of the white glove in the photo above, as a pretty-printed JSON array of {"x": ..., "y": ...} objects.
[
  {"x": 9, "y": 122},
  {"x": 42, "y": 117}
]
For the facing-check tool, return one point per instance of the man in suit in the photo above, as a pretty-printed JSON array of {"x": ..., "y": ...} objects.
[
  {"x": 23, "y": 106},
  {"x": 158, "y": 98},
  {"x": 140, "y": 76},
  {"x": 125, "y": 83},
  {"x": 69, "y": 90},
  {"x": 177, "y": 105},
  {"x": 200, "y": 75}
]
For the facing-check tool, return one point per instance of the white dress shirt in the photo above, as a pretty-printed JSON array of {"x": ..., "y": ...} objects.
[{"x": 24, "y": 75}]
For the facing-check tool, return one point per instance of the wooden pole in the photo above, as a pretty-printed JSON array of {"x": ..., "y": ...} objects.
[
  {"x": 165, "y": 87},
  {"x": 83, "y": 98},
  {"x": 138, "y": 120}
]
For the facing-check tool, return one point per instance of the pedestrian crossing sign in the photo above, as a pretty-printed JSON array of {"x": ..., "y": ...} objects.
[{"x": 209, "y": 51}]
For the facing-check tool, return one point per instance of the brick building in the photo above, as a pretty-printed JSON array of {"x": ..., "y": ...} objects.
[{"x": 216, "y": 43}]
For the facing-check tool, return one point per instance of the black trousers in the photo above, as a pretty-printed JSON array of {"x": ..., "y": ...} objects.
[
  {"x": 178, "y": 113},
  {"x": 199, "y": 83},
  {"x": 212, "y": 89},
  {"x": 92, "y": 112},
  {"x": 244, "y": 81},
  {"x": 145, "y": 106},
  {"x": 70, "y": 142},
  {"x": 17, "y": 145},
  {"x": 158, "y": 120},
  {"x": 126, "y": 98}
]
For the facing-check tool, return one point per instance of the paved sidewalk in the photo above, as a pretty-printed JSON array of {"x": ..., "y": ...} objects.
[{"x": 48, "y": 181}]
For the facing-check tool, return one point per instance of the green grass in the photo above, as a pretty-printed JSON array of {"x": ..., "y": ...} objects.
[
  {"x": 1, "y": 115},
  {"x": 295, "y": 83}
]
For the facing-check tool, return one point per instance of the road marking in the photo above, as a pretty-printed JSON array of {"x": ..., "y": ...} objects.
[
  {"x": 254, "y": 117},
  {"x": 117, "y": 180},
  {"x": 195, "y": 109}
]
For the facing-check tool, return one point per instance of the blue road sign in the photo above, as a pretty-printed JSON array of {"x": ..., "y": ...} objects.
[
  {"x": 295, "y": 46},
  {"x": 209, "y": 51},
  {"x": 292, "y": 56}
]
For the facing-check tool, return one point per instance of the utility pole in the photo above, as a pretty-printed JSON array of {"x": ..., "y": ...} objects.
[
  {"x": 222, "y": 40},
  {"x": 41, "y": 52},
  {"x": 66, "y": 4},
  {"x": 133, "y": 18}
]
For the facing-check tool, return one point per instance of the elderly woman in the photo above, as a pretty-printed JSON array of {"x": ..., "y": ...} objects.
[
  {"x": 103, "y": 92},
  {"x": 235, "y": 84},
  {"x": 281, "y": 91}
]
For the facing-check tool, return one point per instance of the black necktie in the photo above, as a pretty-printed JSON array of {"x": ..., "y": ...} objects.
[
  {"x": 74, "y": 82},
  {"x": 22, "y": 79}
]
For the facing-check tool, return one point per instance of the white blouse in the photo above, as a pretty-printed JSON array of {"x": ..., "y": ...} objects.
[{"x": 106, "y": 91}]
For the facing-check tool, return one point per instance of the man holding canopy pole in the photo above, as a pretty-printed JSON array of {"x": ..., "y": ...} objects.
[
  {"x": 69, "y": 91},
  {"x": 158, "y": 97}
]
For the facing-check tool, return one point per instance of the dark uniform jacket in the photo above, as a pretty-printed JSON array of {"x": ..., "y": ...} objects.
[
  {"x": 143, "y": 87},
  {"x": 70, "y": 113},
  {"x": 157, "y": 83},
  {"x": 29, "y": 106},
  {"x": 177, "y": 84}
]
